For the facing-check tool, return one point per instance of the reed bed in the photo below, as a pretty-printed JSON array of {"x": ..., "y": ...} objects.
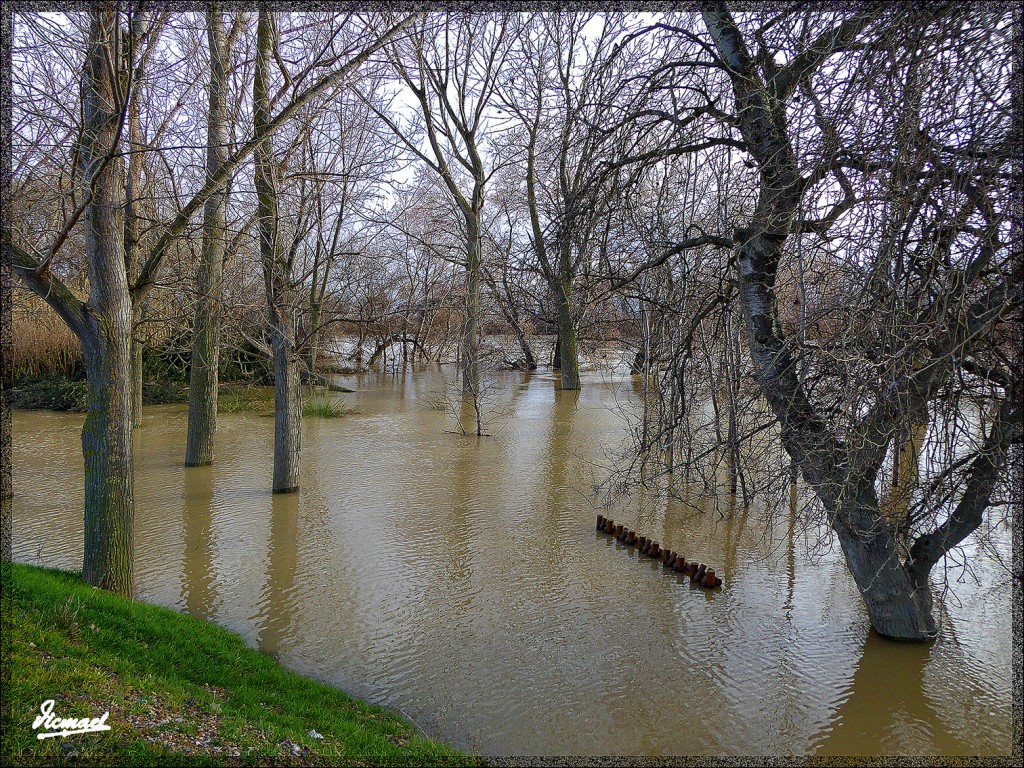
[{"x": 41, "y": 344}]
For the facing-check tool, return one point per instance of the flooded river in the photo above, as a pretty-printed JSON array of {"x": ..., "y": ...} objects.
[{"x": 460, "y": 581}]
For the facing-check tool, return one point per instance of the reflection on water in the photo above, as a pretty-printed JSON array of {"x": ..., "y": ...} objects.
[
  {"x": 900, "y": 717},
  {"x": 278, "y": 607},
  {"x": 460, "y": 580},
  {"x": 198, "y": 588}
]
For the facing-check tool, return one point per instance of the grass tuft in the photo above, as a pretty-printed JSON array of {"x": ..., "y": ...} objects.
[
  {"x": 327, "y": 407},
  {"x": 261, "y": 400}
]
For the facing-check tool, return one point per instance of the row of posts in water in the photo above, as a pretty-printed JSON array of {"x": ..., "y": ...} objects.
[{"x": 699, "y": 573}]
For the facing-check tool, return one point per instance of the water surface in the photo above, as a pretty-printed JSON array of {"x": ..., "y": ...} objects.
[{"x": 460, "y": 580}]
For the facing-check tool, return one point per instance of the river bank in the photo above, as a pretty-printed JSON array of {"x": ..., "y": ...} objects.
[{"x": 178, "y": 690}]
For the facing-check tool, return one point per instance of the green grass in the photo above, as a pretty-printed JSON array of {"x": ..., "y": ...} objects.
[
  {"x": 71, "y": 393},
  {"x": 261, "y": 400},
  {"x": 327, "y": 407},
  {"x": 179, "y": 691},
  {"x": 245, "y": 399},
  {"x": 50, "y": 392}
]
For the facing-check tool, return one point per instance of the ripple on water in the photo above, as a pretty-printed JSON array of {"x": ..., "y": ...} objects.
[{"x": 460, "y": 579}]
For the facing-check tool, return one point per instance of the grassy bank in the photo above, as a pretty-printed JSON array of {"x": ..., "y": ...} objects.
[
  {"x": 70, "y": 393},
  {"x": 179, "y": 691}
]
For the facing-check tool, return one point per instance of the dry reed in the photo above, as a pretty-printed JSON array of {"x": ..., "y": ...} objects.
[{"x": 41, "y": 344}]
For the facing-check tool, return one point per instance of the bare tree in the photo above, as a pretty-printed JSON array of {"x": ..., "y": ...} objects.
[
  {"x": 104, "y": 324},
  {"x": 205, "y": 360},
  {"x": 879, "y": 167},
  {"x": 451, "y": 66},
  {"x": 559, "y": 106},
  {"x": 277, "y": 272}
]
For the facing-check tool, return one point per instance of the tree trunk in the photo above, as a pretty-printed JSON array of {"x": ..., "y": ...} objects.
[
  {"x": 568, "y": 363},
  {"x": 106, "y": 332},
  {"x": 287, "y": 414},
  {"x": 471, "y": 315},
  {"x": 205, "y": 363},
  {"x": 898, "y": 608},
  {"x": 277, "y": 276},
  {"x": 103, "y": 325},
  {"x": 898, "y": 605},
  {"x": 312, "y": 344},
  {"x": 568, "y": 359},
  {"x": 107, "y": 448},
  {"x": 6, "y": 374},
  {"x": 643, "y": 353},
  {"x": 131, "y": 218}
]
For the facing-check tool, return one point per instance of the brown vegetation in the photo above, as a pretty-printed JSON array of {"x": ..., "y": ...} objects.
[{"x": 41, "y": 343}]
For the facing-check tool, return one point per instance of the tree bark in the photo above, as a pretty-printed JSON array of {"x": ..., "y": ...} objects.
[
  {"x": 107, "y": 448},
  {"x": 568, "y": 357},
  {"x": 205, "y": 363},
  {"x": 107, "y": 331},
  {"x": 471, "y": 315},
  {"x": 277, "y": 276},
  {"x": 569, "y": 362},
  {"x": 898, "y": 607},
  {"x": 6, "y": 374},
  {"x": 287, "y": 414}
]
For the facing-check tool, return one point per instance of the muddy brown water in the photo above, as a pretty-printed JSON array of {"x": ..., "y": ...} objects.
[{"x": 461, "y": 581}]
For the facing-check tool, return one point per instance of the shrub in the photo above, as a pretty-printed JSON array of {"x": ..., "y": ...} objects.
[{"x": 52, "y": 393}]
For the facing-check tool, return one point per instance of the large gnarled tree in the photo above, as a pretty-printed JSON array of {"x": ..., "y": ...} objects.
[{"x": 921, "y": 293}]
